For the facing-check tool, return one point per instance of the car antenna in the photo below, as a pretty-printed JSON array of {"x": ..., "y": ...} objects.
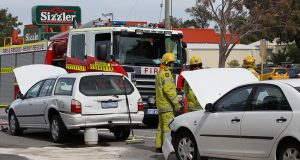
[{"x": 133, "y": 139}]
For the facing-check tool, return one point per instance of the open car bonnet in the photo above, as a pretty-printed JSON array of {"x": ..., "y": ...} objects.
[
  {"x": 28, "y": 75},
  {"x": 210, "y": 84}
]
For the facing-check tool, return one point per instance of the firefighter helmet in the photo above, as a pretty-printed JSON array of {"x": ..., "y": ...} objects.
[
  {"x": 249, "y": 60},
  {"x": 195, "y": 60},
  {"x": 168, "y": 57}
]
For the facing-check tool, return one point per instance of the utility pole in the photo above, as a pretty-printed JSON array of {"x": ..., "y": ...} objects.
[{"x": 167, "y": 14}]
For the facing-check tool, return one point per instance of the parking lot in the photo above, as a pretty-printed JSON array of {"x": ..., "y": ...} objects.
[{"x": 37, "y": 145}]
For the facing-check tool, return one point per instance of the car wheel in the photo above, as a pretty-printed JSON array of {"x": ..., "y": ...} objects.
[
  {"x": 186, "y": 147},
  {"x": 14, "y": 126},
  {"x": 289, "y": 151},
  {"x": 57, "y": 128},
  {"x": 121, "y": 133}
]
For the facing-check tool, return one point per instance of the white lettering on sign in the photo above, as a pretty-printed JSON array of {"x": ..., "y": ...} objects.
[
  {"x": 149, "y": 70},
  {"x": 48, "y": 17},
  {"x": 26, "y": 48}
]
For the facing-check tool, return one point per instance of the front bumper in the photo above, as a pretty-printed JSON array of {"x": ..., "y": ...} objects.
[
  {"x": 167, "y": 147},
  {"x": 78, "y": 121}
]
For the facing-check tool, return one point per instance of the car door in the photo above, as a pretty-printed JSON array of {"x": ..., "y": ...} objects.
[
  {"x": 220, "y": 130},
  {"x": 25, "y": 111},
  {"x": 41, "y": 102},
  {"x": 267, "y": 117}
]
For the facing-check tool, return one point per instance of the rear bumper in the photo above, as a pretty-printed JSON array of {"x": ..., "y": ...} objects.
[{"x": 78, "y": 121}]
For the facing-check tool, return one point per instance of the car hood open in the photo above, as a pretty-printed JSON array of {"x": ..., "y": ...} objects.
[
  {"x": 28, "y": 75},
  {"x": 210, "y": 84}
]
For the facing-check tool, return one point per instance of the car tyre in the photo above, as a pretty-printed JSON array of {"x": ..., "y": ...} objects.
[
  {"x": 186, "y": 147},
  {"x": 121, "y": 133},
  {"x": 57, "y": 129},
  {"x": 14, "y": 126},
  {"x": 289, "y": 150}
]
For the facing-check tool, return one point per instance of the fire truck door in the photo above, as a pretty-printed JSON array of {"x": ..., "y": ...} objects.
[{"x": 76, "y": 54}]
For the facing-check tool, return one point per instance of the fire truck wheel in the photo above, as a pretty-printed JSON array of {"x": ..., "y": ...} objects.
[
  {"x": 14, "y": 126},
  {"x": 57, "y": 128}
]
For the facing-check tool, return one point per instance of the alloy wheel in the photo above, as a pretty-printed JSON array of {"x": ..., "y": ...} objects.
[
  {"x": 186, "y": 149},
  {"x": 291, "y": 154},
  {"x": 12, "y": 123},
  {"x": 55, "y": 129}
]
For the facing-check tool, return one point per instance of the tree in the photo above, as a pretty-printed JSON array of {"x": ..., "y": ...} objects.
[
  {"x": 200, "y": 14},
  {"x": 7, "y": 23},
  {"x": 284, "y": 21},
  {"x": 190, "y": 24},
  {"x": 175, "y": 22},
  {"x": 234, "y": 63},
  {"x": 234, "y": 20}
]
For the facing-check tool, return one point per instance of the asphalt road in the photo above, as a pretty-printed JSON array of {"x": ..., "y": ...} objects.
[{"x": 37, "y": 145}]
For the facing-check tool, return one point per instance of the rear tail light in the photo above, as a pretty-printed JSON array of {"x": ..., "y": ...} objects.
[
  {"x": 75, "y": 106},
  {"x": 140, "y": 105}
]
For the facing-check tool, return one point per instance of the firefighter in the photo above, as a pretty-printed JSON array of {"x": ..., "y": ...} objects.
[
  {"x": 249, "y": 63},
  {"x": 166, "y": 98},
  {"x": 193, "y": 104}
]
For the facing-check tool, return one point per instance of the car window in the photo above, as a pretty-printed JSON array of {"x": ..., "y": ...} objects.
[
  {"x": 101, "y": 85},
  {"x": 269, "y": 97},
  {"x": 49, "y": 92},
  {"x": 34, "y": 90},
  {"x": 46, "y": 86},
  {"x": 64, "y": 86},
  {"x": 280, "y": 71},
  {"x": 235, "y": 100}
]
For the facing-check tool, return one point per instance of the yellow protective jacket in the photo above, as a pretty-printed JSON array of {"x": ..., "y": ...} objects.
[
  {"x": 166, "y": 96},
  {"x": 254, "y": 72},
  {"x": 193, "y": 103}
]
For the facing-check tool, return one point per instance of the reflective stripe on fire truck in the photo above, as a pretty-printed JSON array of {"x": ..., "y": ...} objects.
[
  {"x": 3, "y": 105},
  {"x": 102, "y": 67},
  {"x": 75, "y": 67},
  {"x": 6, "y": 70}
]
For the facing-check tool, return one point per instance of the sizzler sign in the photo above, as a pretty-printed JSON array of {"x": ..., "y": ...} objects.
[{"x": 55, "y": 15}]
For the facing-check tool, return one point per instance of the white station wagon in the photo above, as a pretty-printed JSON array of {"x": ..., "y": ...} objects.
[
  {"x": 74, "y": 101},
  {"x": 243, "y": 118}
]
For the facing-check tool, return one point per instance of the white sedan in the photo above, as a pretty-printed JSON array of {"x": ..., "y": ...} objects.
[{"x": 243, "y": 118}]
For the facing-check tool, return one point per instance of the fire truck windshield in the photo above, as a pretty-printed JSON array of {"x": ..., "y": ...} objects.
[{"x": 145, "y": 49}]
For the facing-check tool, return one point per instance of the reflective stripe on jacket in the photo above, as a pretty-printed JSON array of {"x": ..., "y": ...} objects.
[
  {"x": 254, "y": 72},
  {"x": 166, "y": 96},
  {"x": 193, "y": 103}
]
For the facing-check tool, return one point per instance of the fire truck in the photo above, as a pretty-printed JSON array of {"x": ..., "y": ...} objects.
[{"x": 133, "y": 51}]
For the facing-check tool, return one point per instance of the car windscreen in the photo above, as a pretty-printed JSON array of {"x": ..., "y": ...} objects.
[
  {"x": 298, "y": 89},
  {"x": 104, "y": 85}
]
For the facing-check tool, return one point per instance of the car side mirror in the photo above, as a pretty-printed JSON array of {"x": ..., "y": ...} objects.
[
  {"x": 209, "y": 107},
  {"x": 184, "y": 55},
  {"x": 20, "y": 96},
  {"x": 184, "y": 45}
]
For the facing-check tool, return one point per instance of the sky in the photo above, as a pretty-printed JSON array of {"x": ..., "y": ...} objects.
[{"x": 123, "y": 10}]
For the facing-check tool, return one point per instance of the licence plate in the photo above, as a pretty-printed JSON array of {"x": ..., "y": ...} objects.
[
  {"x": 152, "y": 111},
  {"x": 112, "y": 104}
]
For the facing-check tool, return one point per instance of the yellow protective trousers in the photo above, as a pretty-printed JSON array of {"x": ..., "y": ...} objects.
[{"x": 162, "y": 128}]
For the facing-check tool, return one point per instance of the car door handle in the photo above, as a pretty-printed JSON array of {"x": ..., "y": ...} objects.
[
  {"x": 281, "y": 120},
  {"x": 30, "y": 104},
  {"x": 235, "y": 120}
]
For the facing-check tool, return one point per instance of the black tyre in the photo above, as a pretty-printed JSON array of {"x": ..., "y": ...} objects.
[
  {"x": 289, "y": 151},
  {"x": 14, "y": 126},
  {"x": 121, "y": 133},
  {"x": 186, "y": 147},
  {"x": 57, "y": 129}
]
